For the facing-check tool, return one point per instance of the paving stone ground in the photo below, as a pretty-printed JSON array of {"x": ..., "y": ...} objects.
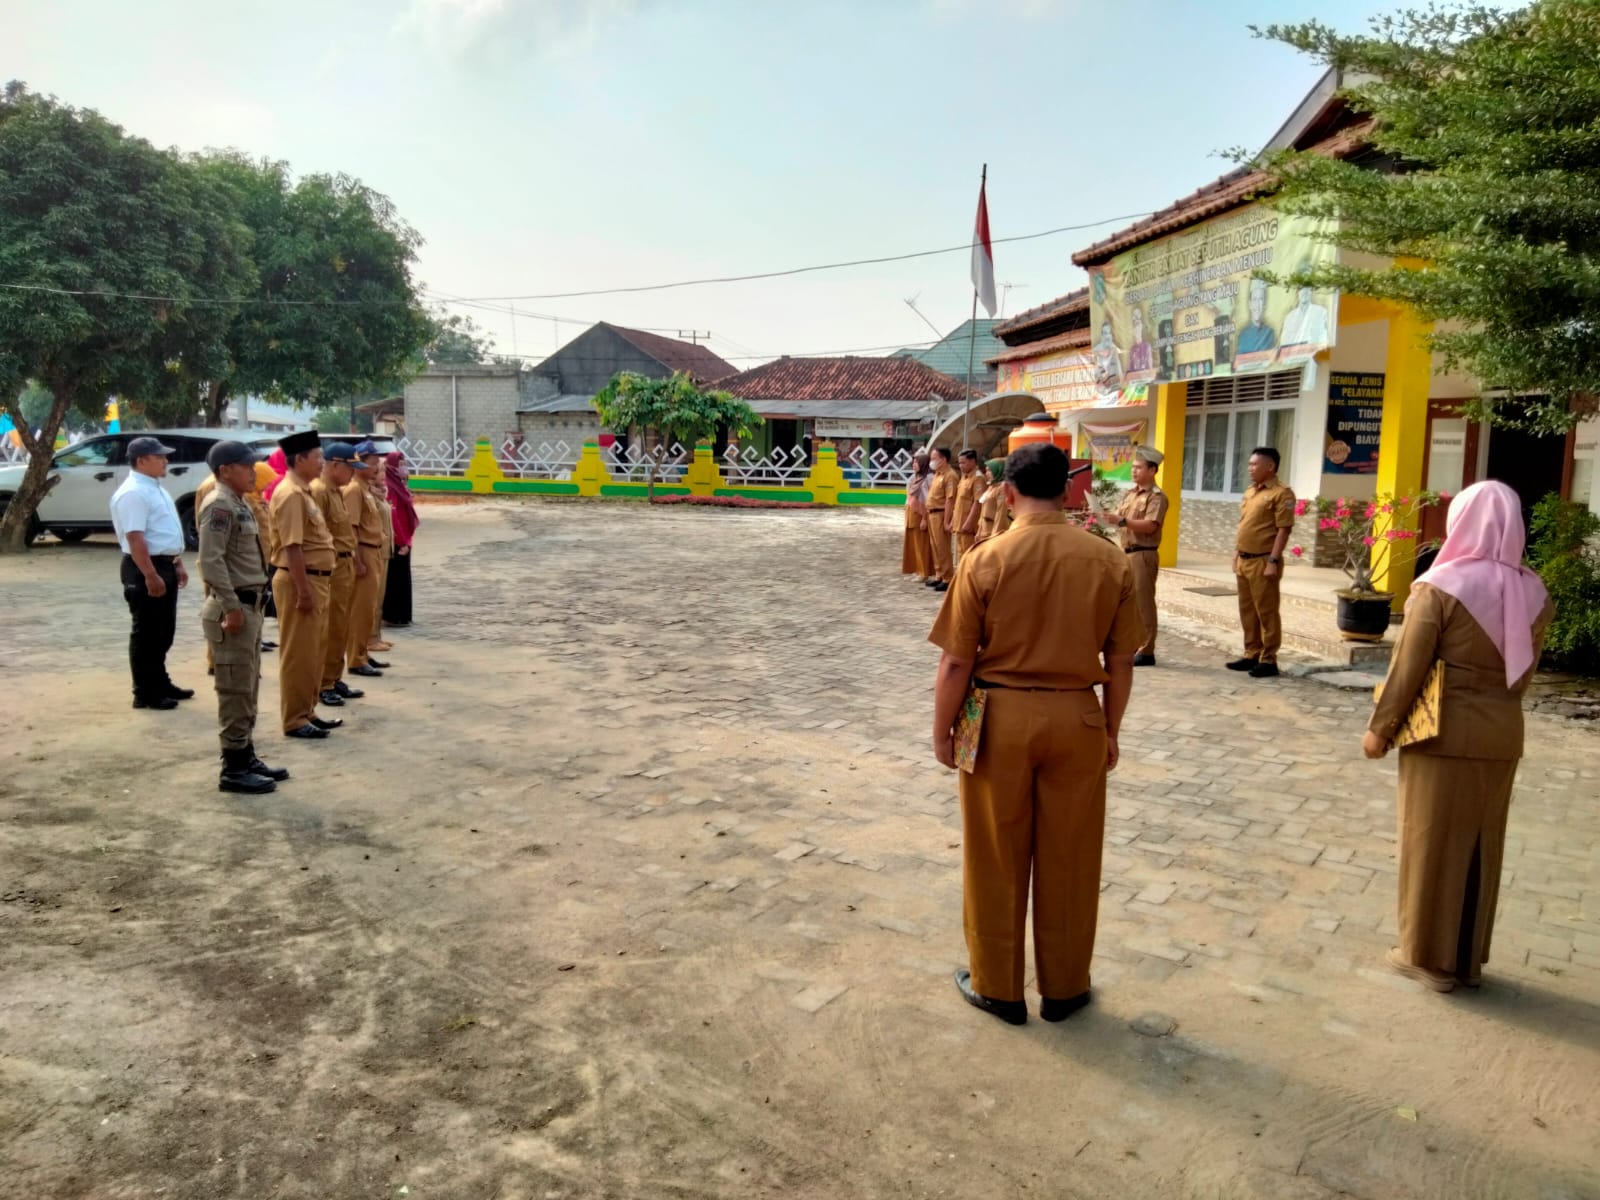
[{"x": 635, "y": 877}]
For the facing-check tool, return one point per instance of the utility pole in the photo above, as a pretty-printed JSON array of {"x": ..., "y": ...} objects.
[{"x": 693, "y": 337}]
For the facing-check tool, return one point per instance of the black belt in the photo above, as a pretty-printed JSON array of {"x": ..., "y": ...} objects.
[
  {"x": 318, "y": 574},
  {"x": 987, "y": 685},
  {"x": 1139, "y": 549},
  {"x": 346, "y": 554},
  {"x": 936, "y": 510},
  {"x": 174, "y": 559},
  {"x": 249, "y": 595},
  {"x": 1247, "y": 554}
]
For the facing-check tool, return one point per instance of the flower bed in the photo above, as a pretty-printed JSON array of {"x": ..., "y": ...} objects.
[{"x": 734, "y": 502}]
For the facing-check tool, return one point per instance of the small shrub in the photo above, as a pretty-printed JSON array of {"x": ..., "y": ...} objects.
[{"x": 1562, "y": 548}]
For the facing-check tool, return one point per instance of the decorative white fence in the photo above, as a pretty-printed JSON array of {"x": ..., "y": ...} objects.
[
  {"x": 631, "y": 463},
  {"x": 11, "y": 454},
  {"x": 435, "y": 458},
  {"x": 547, "y": 460},
  {"x": 777, "y": 468},
  {"x": 881, "y": 470}
]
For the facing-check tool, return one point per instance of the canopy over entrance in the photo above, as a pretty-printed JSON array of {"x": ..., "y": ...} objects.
[{"x": 992, "y": 420}]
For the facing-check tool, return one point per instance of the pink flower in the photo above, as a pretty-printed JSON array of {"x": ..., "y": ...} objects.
[
  {"x": 1342, "y": 512},
  {"x": 1368, "y": 540},
  {"x": 1388, "y": 508},
  {"x": 1296, "y": 551},
  {"x": 1372, "y": 511},
  {"x": 1300, "y": 507},
  {"x": 1403, "y": 500},
  {"x": 1393, "y": 535}
]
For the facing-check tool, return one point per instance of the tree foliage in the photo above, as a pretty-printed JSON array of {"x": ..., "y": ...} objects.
[
  {"x": 457, "y": 339},
  {"x": 1493, "y": 205},
  {"x": 674, "y": 408},
  {"x": 109, "y": 247},
  {"x": 1562, "y": 550}
]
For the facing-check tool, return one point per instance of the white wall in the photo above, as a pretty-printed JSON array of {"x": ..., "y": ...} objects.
[{"x": 1584, "y": 451}]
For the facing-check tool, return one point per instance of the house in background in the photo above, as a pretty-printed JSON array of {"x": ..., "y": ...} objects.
[
  {"x": 551, "y": 401},
  {"x": 950, "y": 354},
  {"x": 263, "y": 416},
  {"x": 889, "y": 403}
]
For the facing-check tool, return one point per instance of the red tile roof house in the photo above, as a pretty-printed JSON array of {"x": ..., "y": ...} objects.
[{"x": 890, "y": 404}]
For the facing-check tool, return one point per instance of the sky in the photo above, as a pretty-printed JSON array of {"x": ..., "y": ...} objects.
[{"x": 555, "y": 146}]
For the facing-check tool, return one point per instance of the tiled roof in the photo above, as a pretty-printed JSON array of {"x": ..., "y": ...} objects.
[
  {"x": 699, "y": 362},
  {"x": 1050, "y": 310},
  {"x": 1236, "y": 188},
  {"x": 949, "y": 353},
  {"x": 1062, "y": 341},
  {"x": 843, "y": 379}
]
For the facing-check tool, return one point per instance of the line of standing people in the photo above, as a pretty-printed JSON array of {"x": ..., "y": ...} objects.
[
  {"x": 316, "y": 542},
  {"x": 965, "y": 504}
]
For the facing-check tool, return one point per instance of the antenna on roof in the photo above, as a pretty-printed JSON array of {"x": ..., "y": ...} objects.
[
  {"x": 693, "y": 337},
  {"x": 911, "y": 303},
  {"x": 1005, "y": 290}
]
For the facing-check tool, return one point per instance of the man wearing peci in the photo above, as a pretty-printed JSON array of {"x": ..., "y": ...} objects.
[
  {"x": 151, "y": 536},
  {"x": 1037, "y": 619},
  {"x": 233, "y": 567},
  {"x": 304, "y": 557},
  {"x": 1266, "y": 517}
]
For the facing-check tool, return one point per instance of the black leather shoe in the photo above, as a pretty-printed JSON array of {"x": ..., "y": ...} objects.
[
  {"x": 161, "y": 703},
  {"x": 372, "y": 662},
  {"x": 1012, "y": 1012},
  {"x": 1264, "y": 670},
  {"x": 178, "y": 693},
  {"x": 941, "y": 586},
  {"x": 276, "y": 774},
  {"x": 366, "y": 672},
  {"x": 1242, "y": 664},
  {"x": 1060, "y": 1010},
  {"x": 307, "y": 731},
  {"x": 247, "y": 782},
  {"x": 930, "y": 583},
  {"x": 326, "y": 724},
  {"x": 348, "y": 692},
  {"x": 331, "y": 698},
  {"x": 269, "y": 645},
  {"x": 1144, "y": 660}
]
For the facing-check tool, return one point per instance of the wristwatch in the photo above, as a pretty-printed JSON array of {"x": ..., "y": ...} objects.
[{"x": 1277, "y": 562}]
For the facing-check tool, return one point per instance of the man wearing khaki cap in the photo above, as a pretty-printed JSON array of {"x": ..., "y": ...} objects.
[{"x": 1139, "y": 519}]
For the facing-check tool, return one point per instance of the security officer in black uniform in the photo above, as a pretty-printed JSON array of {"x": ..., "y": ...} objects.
[{"x": 234, "y": 569}]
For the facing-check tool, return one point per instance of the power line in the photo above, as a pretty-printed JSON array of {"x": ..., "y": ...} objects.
[
  {"x": 965, "y": 247},
  {"x": 588, "y": 358}
]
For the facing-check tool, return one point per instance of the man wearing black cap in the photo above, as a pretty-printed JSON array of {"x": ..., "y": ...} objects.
[
  {"x": 234, "y": 570},
  {"x": 151, "y": 536},
  {"x": 339, "y": 464},
  {"x": 304, "y": 556}
]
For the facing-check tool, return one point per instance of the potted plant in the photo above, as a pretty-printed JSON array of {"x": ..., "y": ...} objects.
[{"x": 1349, "y": 526}]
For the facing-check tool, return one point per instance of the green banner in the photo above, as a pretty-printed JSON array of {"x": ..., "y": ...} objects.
[{"x": 1190, "y": 305}]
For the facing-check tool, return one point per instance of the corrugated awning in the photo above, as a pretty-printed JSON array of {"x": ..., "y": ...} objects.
[
  {"x": 874, "y": 410},
  {"x": 558, "y": 404}
]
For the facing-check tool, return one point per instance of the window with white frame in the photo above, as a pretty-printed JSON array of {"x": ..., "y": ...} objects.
[{"x": 1229, "y": 417}]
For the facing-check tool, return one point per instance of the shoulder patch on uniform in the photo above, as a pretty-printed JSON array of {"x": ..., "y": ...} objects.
[{"x": 221, "y": 518}]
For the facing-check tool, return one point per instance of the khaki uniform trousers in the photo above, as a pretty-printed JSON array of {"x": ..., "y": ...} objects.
[
  {"x": 363, "y": 598},
  {"x": 1258, "y": 610},
  {"x": 299, "y": 647},
  {"x": 340, "y": 587},
  {"x": 966, "y": 541},
  {"x": 1035, "y": 806},
  {"x": 237, "y": 661},
  {"x": 944, "y": 566},
  {"x": 1145, "y": 567},
  {"x": 383, "y": 586}
]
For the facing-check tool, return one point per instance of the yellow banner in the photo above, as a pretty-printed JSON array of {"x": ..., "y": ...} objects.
[{"x": 1189, "y": 305}]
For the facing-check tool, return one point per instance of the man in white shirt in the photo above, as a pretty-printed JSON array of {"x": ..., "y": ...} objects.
[{"x": 151, "y": 537}]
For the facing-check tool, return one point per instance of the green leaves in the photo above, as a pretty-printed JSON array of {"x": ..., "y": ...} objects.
[
  {"x": 1485, "y": 169},
  {"x": 673, "y": 408}
]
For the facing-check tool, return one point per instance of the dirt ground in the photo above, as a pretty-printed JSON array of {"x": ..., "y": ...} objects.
[{"x": 634, "y": 878}]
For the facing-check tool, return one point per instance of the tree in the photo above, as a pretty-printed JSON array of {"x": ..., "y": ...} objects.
[
  {"x": 1493, "y": 207},
  {"x": 333, "y": 309},
  {"x": 108, "y": 248},
  {"x": 458, "y": 339},
  {"x": 674, "y": 409}
]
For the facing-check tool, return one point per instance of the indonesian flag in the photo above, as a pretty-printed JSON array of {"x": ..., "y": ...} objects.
[{"x": 983, "y": 254}]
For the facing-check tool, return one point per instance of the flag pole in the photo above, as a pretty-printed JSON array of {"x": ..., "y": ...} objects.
[{"x": 972, "y": 333}]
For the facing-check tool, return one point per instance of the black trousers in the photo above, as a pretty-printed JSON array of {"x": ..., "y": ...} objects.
[
  {"x": 155, "y": 621},
  {"x": 397, "y": 591}
]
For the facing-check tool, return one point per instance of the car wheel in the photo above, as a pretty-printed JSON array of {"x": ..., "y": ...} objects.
[
  {"x": 70, "y": 536},
  {"x": 191, "y": 535}
]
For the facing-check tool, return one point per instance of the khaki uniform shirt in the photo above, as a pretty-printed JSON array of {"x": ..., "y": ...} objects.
[
  {"x": 1266, "y": 508},
  {"x": 966, "y": 497},
  {"x": 230, "y": 550},
  {"x": 363, "y": 512},
  {"x": 337, "y": 513},
  {"x": 297, "y": 520},
  {"x": 385, "y": 521},
  {"x": 1038, "y": 607},
  {"x": 1145, "y": 504},
  {"x": 941, "y": 492},
  {"x": 1479, "y": 716}
]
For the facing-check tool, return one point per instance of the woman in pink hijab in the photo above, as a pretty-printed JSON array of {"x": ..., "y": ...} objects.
[
  {"x": 279, "y": 463},
  {"x": 1483, "y": 614}
]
